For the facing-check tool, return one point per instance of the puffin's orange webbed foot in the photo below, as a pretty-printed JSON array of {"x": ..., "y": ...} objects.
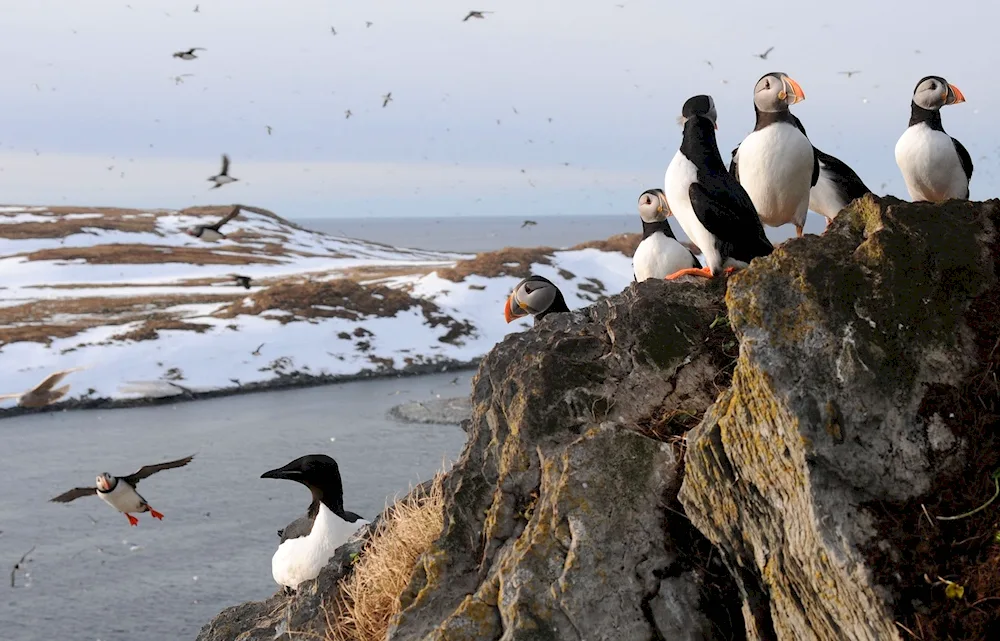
[
  {"x": 798, "y": 231},
  {"x": 704, "y": 272},
  {"x": 156, "y": 515},
  {"x": 132, "y": 520},
  {"x": 730, "y": 270}
]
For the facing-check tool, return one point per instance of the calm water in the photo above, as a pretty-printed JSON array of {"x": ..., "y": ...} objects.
[
  {"x": 94, "y": 577},
  {"x": 491, "y": 233}
]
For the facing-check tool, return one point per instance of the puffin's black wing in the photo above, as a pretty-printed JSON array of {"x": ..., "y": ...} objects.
[
  {"x": 734, "y": 168},
  {"x": 726, "y": 211},
  {"x": 297, "y": 528},
  {"x": 815, "y": 177},
  {"x": 225, "y": 165},
  {"x": 848, "y": 183},
  {"x": 74, "y": 494},
  {"x": 351, "y": 517},
  {"x": 149, "y": 470},
  {"x": 963, "y": 155},
  {"x": 225, "y": 219}
]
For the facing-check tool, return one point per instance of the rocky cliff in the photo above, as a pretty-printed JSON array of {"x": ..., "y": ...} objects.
[{"x": 779, "y": 456}]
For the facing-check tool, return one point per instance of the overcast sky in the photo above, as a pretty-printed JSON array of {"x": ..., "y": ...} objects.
[{"x": 88, "y": 92}]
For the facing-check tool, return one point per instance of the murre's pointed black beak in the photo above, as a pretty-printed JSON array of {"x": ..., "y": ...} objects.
[{"x": 283, "y": 473}]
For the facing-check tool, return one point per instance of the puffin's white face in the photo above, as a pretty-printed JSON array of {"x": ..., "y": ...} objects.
[
  {"x": 104, "y": 482},
  {"x": 934, "y": 92},
  {"x": 531, "y": 296},
  {"x": 776, "y": 92},
  {"x": 653, "y": 206}
]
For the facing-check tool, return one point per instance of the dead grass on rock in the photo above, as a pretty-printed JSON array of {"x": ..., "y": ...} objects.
[
  {"x": 509, "y": 261},
  {"x": 622, "y": 243},
  {"x": 150, "y": 329},
  {"x": 339, "y": 298},
  {"x": 369, "y": 597},
  {"x": 126, "y": 220},
  {"x": 140, "y": 254}
]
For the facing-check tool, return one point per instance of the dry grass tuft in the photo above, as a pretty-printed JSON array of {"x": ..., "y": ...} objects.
[
  {"x": 369, "y": 598},
  {"x": 340, "y": 298},
  {"x": 509, "y": 261},
  {"x": 624, "y": 243},
  {"x": 127, "y": 220},
  {"x": 139, "y": 254}
]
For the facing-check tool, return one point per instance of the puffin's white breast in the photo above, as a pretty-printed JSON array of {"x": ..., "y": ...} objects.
[
  {"x": 775, "y": 168},
  {"x": 681, "y": 174},
  {"x": 123, "y": 498},
  {"x": 658, "y": 256},
  {"x": 930, "y": 164},
  {"x": 301, "y": 559},
  {"x": 210, "y": 234}
]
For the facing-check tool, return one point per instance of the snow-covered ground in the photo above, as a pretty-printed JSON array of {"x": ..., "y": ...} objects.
[{"x": 142, "y": 306}]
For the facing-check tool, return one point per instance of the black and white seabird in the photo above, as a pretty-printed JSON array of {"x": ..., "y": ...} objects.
[
  {"x": 223, "y": 177},
  {"x": 242, "y": 281},
  {"x": 43, "y": 394},
  {"x": 189, "y": 54},
  {"x": 476, "y": 14},
  {"x": 775, "y": 163},
  {"x": 119, "y": 492},
  {"x": 212, "y": 232},
  {"x": 386, "y": 99},
  {"x": 836, "y": 186},
  {"x": 713, "y": 209},
  {"x": 535, "y": 295},
  {"x": 658, "y": 254},
  {"x": 935, "y": 166},
  {"x": 308, "y": 542}
]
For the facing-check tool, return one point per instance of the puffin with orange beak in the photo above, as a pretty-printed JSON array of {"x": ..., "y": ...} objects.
[
  {"x": 935, "y": 166},
  {"x": 776, "y": 164},
  {"x": 659, "y": 254},
  {"x": 536, "y": 296}
]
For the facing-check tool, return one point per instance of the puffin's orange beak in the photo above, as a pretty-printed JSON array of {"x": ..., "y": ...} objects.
[
  {"x": 797, "y": 93},
  {"x": 955, "y": 95},
  {"x": 508, "y": 314}
]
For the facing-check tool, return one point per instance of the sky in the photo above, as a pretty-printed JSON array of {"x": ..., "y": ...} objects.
[{"x": 92, "y": 112}]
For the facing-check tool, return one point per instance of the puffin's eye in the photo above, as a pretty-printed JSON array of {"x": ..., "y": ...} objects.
[
  {"x": 933, "y": 86},
  {"x": 767, "y": 84}
]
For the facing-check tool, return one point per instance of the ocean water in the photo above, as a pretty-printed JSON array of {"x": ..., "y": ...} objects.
[{"x": 92, "y": 576}]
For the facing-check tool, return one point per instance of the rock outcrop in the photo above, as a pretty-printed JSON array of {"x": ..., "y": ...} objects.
[{"x": 763, "y": 458}]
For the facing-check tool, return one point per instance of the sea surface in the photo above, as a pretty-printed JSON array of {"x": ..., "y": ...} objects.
[{"x": 93, "y": 577}]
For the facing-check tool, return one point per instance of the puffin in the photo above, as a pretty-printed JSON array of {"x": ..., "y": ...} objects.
[
  {"x": 211, "y": 232},
  {"x": 776, "y": 163},
  {"x": 711, "y": 206},
  {"x": 837, "y": 185},
  {"x": 119, "y": 492},
  {"x": 534, "y": 295},
  {"x": 223, "y": 177},
  {"x": 46, "y": 392},
  {"x": 307, "y": 543},
  {"x": 658, "y": 254},
  {"x": 935, "y": 166}
]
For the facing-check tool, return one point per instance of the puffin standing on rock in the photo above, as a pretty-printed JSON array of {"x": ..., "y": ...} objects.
[
  {"x": 534, "y": 295},
  {"x": 935, "y": 166},
  {"x": 308, "y": 543},
  {"x": 776, "y": 163},
  {"x": 659, "y": 254},
  {"x": 119, "y": 492},
  {"x": 712, "y": 208}
]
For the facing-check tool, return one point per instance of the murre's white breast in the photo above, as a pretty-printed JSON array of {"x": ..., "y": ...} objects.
[
  {"x": 930, "y": 164},
  {"x": 301, "y": 559},
  {"x": 123, "y": 498},
  {"x": 658, "y": 256},
  {"x": 775, "y": 168}
]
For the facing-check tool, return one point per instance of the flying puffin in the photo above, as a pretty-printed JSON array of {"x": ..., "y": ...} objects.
[
  {"x": 119, "y": 492},
  {"x": 658, "y": 254},
  {"x": 211, "y": 232},
  {"x": 837, "y": 186},
  {"x": 935, "y": 166},
  {"x": 307, "y": 543},
  {"x": 223, "y": 177},
  {"x": 534, "y": 295},
  {"x": 776, "y": 163},
  {"x": 712, "y": 208},
  {"x": 43, "y": 394}
]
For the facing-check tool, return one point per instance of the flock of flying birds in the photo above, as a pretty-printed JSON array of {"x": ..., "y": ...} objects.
[{"x": 775, "y": 176}]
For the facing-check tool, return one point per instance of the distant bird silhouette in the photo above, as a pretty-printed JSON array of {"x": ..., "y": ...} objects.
[
  {"x": 180, "y": 79},
  {"x": 368, "y": 24},
  {"x": 528, "y": 223},
  {"x": 347, "y": 114},
  {"x": 763, "y": 56},
  {"x": 212, "y": 232},
  {"x": 43, "y": 394},
  {"x": 476, "y": 14},
  {"x": 268, "y": 129},
  {"x": 189, "y": 54},
  {"x": 849, "y": 73},
  {"x": 256, "y": 352},
  {"x": 386, "y": 99},
  {"x": 243, "y": 281},
  {"x": 709, "y": 63},
  {"x": 333, "y": 30},
  {"x": 223, "y": 177},
  {"x": 196, "y": 8}
]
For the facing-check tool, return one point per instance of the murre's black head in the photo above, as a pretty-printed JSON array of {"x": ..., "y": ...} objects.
[
  {"x": 934, "y": 92},
  {"x": 319, "y": 473},
  {"x": 700, "y": 105}
]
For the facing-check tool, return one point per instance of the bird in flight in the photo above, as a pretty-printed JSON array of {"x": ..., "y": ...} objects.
[
  {"x": 268, "y": 129},
  {"x": 386, "y": 99},
  {"x": 347, "y": 114},
  {"x": 709, "y": 63},
  {"x": 333, "y": 30},
  {"x": 528, "y": 223},
  {"x": 189, "y": 54},
  {"x": 213, "y": 232},
  {"x": 223, "y": 177},
  {"x": 180, "y": 79},
  {"x": 476, "y": 14},
  {"x": 368, "y": 24},
  {"x": 196, "y": 10},
  {"x": 849, "y": 73},
  {"x": 43, "y": 394},
  {"x": 763, "y": 56}
]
